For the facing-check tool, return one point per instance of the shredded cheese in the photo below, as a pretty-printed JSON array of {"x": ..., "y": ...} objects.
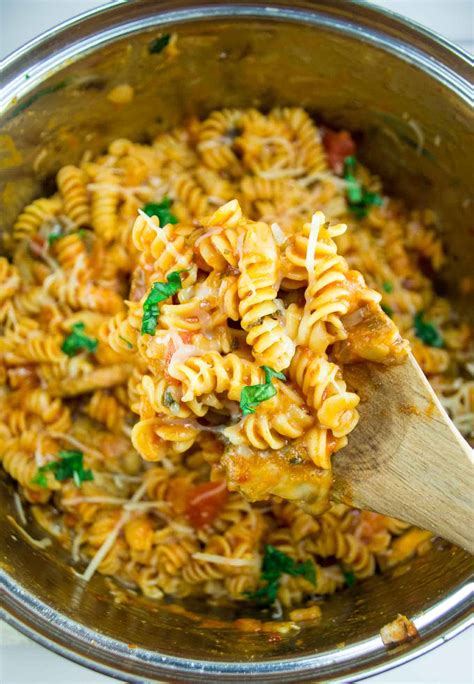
[
  {"x": 278, "y": 235},
  {"x": 39, "y": 543},
  {"x": 112, "y": 500},
  {"x": 76, "y": 546},
  {"x": 209, "y": 494},
  {"x": 323, "y": 176},
  {"x": 277, "y": 610},
  {"x": 169, "y": 246},
  {"x": 215, "y": 230},
  {"x": 19, "y": 508},
  {"x": 316, "y": 222},
  {"x": 166, "y": 463},
  {"x": 110, "y": 540},
  {"x": 275, "y": 174},
  {"x": 77, "y": 443},
  {"x": 223, "y": 560},
  {"x": 182, "y": 529},
  {"x": 419, "y": 135}
]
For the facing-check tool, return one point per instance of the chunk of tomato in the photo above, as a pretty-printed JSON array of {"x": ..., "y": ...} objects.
[
  {"x": 338, "y": 146},
  {"x": 205, "y": 502}
]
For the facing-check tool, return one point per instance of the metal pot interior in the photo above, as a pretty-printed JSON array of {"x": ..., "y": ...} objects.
[{"x": 351, "y": 66}]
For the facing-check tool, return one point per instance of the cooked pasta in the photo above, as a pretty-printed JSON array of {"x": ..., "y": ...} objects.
[{"x": 175, "y": 322}]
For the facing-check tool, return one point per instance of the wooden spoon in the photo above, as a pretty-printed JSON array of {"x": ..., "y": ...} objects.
[{"x": 405, "y": 458}]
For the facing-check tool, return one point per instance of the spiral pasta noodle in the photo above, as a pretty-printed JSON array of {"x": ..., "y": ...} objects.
[
  {"x": 72, "y": 186},
  {"x": 259, "y": 266}
]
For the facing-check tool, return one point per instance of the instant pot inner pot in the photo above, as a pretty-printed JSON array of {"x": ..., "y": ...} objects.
[{"x": 410, "y": 129}]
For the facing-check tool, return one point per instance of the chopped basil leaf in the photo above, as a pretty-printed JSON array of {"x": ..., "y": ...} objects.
[
  {"x": 70, "y": 466},
  {"x": 252, "y": 396},
  {"x": 159, "y": 292},
  {"x": 275, "y": 564},
  {"x": 372, "y": 199},
  {"x": 353, "y": 190},
  {"x": 358, "y": 197},
  {"x": 270, "y": 373},
  {"x": 387, "y": 309},
  {"x": 127, "y": 342},
  {"x": 40, "y": 479},
  {"x": 387, "y": 286},
  {"x": 350, "y": 164},
  {"x": 349, "y": 577},
  {"x": 265, "y": 595},
  {"x": 359, "y": 212},
  {"x": 158, "y": 44},
  {"x": 77, "y": 340},
  {"x": 427, "y": 332},
  {"x": 168, "y": 399},
  {"x": 55, "y": 234},
  {"x": 162, "y": 210},
  {"x": 150, "y": 320}
]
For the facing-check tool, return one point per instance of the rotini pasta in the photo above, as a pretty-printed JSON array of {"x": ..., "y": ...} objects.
[{"x": 175, "y": 322}]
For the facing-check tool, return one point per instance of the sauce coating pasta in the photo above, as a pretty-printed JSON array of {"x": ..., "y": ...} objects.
[{"x": 143, "y": 304}]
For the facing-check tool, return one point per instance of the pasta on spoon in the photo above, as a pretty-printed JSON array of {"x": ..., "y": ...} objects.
[{"x": 270, "y": 385}]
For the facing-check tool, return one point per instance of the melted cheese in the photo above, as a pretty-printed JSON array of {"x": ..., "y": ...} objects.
[{"x": 182, "y": 354}]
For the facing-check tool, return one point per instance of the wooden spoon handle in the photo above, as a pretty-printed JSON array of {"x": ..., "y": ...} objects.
[{"x": 406, "y": 459}]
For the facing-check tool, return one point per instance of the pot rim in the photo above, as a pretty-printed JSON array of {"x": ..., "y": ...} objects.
[
  {"x": 443, "y": 61},
  {"x": 72, "y": 640}
]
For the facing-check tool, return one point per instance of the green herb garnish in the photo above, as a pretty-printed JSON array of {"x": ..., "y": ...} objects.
[
  {"x": 387, "y": 286},
  {"x": 55, "y": 234},
  {"x": 70, "y": 466},
  {"x": 162, "y": 210},
  {"x": 354, "y": 188},
  {"x": 349, "y": 577},
  {"x": 427, "y": 332},
  {"x": 253, "y": 395},
  {"x": 40, "y": 478},
  {"x": 275, "y": 564},
  {"x": 158, "y": 44},
  {"x": 125, "y": 341},
  {"x": 159, "y": 292},
  {"x": 77, "y": 340},
  {"x": 387, "y": 309},
  {"x": 168, "y": 399},
  {"x": 270, "y": 373},
  {"x": 358, "y": 197}
]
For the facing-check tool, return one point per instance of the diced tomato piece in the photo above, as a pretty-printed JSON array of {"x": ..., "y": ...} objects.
[
  {"x": 170, "y": 350},
  {"x": 187, "y": 336},
  {"x": 205, "y": 501},
  {"x": 37, "y": 244},
  {"x": 338, "y": 146}
]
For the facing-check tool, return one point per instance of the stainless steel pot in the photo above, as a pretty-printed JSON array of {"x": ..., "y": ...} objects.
[{"x": 406, "y": 92}]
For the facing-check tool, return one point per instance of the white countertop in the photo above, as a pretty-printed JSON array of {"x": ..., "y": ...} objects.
[{"x": 24, "y": 662}]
